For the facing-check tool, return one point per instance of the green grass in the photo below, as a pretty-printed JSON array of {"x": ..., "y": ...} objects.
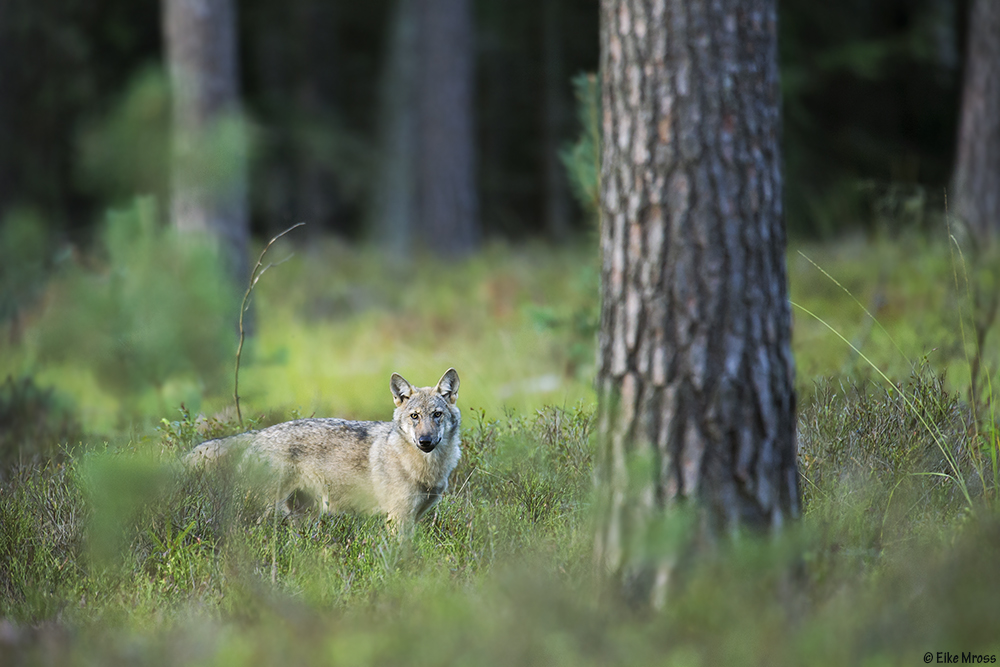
[
  {"x": 333, "y": 323},
  {"x": 341, "y": 322},
  {"x": 113, "y": 555},
  {"x": 908, "y": 284}
]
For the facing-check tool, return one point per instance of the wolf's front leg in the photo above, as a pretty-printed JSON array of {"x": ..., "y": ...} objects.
[{"x": 400, "y": 522}]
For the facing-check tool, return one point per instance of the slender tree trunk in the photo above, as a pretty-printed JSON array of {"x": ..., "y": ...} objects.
[
  {"x": 209, "y": 159},
  {"x": 395, "y": 193},
  {"x": 976, "y": 185},
  {"x": 446, "y": 166},
  {"x": 695, "y": 372},
  {"x": 427, "y": 195}
]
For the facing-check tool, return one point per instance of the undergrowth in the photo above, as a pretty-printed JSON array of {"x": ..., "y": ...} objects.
[
  {"x": 123, "y": 545},
  {"x": 34, "y": 425},
  {"x": 116, "y": 554}
]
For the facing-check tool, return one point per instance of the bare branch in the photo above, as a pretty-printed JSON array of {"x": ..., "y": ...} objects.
[{"x": 254, "y": 277}]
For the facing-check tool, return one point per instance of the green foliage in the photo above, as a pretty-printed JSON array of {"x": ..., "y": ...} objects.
[
  {"x": 128, "y": 151},
  {"x": 64, "y": 61},
  {"x": 839, "y": 157},
  {"x": 24, "y": 250},
  {"x": 142, "y": 560},
  {"x": 582, "y": 159},
  {"x": 879, "y": 466},
  {"x": 500, "y": 572},
  {"x": 134, "y": 525},
  {"x": 42, "y": 528},
  {"x": 215, "y": 156},
  {"x": 184, "y": 433},
  {"x": 34, "y": 425},
  {"x": 334, "y": 322},
  {"x": 119, "y": 487},
  {"x": 576, "y": 323},
  {"x": 159, "y": 310},
  {"x": 908, "y": 285}
]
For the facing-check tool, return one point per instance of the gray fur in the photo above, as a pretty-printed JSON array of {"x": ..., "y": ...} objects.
[{"x": 400, "y": 468}]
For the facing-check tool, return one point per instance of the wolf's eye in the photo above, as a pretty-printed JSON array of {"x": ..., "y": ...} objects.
[
  {"x": 414, "y": 416},
  {"x": 437, "y": 414}
]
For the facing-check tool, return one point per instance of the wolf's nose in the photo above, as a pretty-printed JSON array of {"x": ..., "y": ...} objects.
[{"x": 426, "y": 440}]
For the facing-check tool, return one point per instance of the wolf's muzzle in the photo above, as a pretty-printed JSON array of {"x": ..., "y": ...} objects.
[{"x": 426, "y": 443}]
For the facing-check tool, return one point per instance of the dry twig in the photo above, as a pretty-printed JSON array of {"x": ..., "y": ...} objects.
[{"x": 255, "y": 275}]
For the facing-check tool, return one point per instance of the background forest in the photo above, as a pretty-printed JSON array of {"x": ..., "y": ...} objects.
[
  {"x": 119, "y": 329},
  {"x": 871, "y": 102}
]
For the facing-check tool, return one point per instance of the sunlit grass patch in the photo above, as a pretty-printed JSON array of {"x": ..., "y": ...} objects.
[
  {"x": 335, "y": 322},
  {"x": 906, "y": 284}
]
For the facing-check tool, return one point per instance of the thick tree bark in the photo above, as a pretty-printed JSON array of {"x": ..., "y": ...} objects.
[
  {"x": 695, "y": 372},
  {"x": 976, "y": 185},
  {"x": 209, "y": 171}
]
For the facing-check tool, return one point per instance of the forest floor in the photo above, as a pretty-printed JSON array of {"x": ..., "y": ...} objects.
[{"x": 110, "y": 555}]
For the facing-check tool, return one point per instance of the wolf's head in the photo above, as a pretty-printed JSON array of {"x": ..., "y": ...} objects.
[{"x": 426, "y": 415}]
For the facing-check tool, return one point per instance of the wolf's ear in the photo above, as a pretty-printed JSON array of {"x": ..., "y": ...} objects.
[
  {"x": 401, "y": 389},
  {"x": 448, "y": 385}
]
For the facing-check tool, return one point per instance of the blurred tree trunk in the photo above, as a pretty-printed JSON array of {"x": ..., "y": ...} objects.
[
  {"x": 315, "y": 21},
  {"x": 976, "y": 185},
  {"x": 556, "y": 86},
  {"x": 499, "y": 86},
  {"x": 209, "y": 192},
  {"x": 695, "y": 371},
  {"x": 446, "y": 167},
  {"x": 395, "y": 192},
  {"x": 427, "y": 195}
]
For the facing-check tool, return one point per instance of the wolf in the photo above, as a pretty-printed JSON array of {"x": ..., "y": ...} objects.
[{"x": 399, "y": 468}]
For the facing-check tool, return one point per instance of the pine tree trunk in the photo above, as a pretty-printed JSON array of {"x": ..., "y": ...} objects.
[
  {"x": 977, "y": 162},
  {"x": 426, "y": 196},
  {"x": 394, "y": 205},
  {"x": 446, "y": 169},
  {"x": 209, "y": 192},
  {"x": 695, "y": 372}
]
